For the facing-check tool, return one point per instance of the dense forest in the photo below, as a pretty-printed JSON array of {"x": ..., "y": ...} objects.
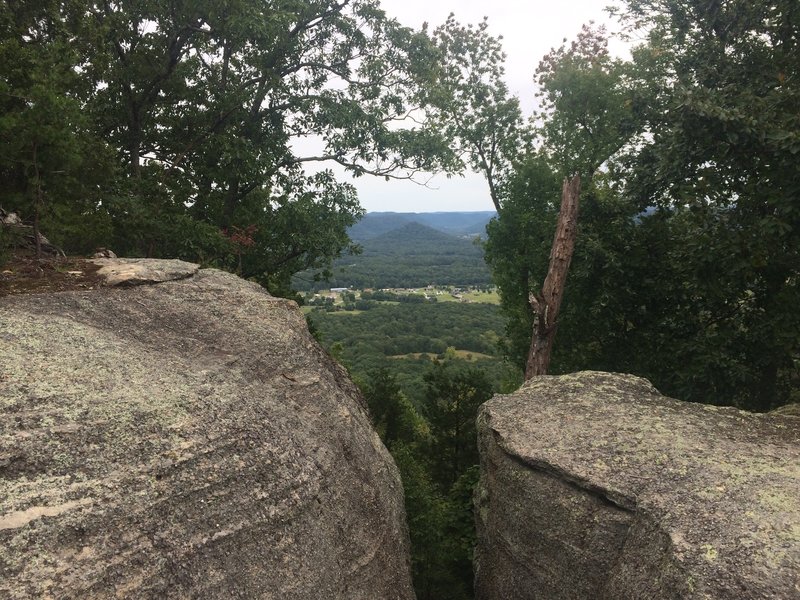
[
  {"x": 425, "y": 368},
  {"x": 169, "y": 129},
  {"x": 405, "y": 337}
]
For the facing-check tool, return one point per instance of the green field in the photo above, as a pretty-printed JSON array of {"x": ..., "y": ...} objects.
[
  {"x": 472, "y": 297},
  {"x": 462, "y": 354}
]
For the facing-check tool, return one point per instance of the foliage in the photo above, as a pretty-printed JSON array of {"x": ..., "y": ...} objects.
[
  {"x": 518, "y": 246},
  {"x": 371, "y": 337},
  {"x": 686, "y": 266},
  {"x": 452, "y": 402},
  {"x": 587, "y": 106},
  {"x": 436, "y": 455},
  {"x": 721, "y": 160},
  {"x": 393, "y": 415},
  {"x": 51, "y": 164},
  {"x": 470, "y": 101},
  {"x": 424, "y": 408},
  {"x": 182, "y": 118}
]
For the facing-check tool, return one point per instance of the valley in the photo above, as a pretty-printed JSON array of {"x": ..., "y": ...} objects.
[
  {"x": 416, "y": 320},
  {"x": 407, "y": 332},
  {"x": 419, "y": 293}
]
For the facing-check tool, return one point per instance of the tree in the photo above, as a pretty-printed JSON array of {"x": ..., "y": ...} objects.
[
  {"x": 440, "y": 535},
  {"x": 52, "y": 166},
  {"x": 470, "y": 102},
  {"x": 588, "y": 109},
  {"x": 392, "y": 414},
  {"x": 720, "y": 157},
  {"x": 584, "y": 121},
  {"x": 547, "y": 304},
  {"x": 517, "y": 247},
  {"x": 204, "y": 104},
  {"x": 685, "y": 268},
  {"x": 453, "y": 398}
]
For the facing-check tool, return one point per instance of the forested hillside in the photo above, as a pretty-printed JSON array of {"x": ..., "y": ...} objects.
[
  {"x": 410, "y": 255},
  {"x": 425, "y": 365},
  {"x": 459, "y": 224},
  {"x": 405, "y": 337}
]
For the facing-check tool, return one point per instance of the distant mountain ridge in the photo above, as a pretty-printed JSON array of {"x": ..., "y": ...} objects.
[
  {"x": 458, "y": 224},
  {"x": 408, "y": 254}
]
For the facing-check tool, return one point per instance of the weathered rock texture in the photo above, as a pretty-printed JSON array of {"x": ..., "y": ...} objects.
[
  {"x": 139, "y": 271},
  {"x": 594, "y": 486},
  {"x": 187, "y": 440}
]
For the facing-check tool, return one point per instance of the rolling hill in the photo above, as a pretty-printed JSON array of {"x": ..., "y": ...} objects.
[
  {"x": 409, "y": 255},
  {"x": 457, "y": 224}
]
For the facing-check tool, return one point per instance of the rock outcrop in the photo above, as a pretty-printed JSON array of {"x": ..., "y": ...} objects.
[
  {"x": 24, "y": 236},
  {"x": 140, "y": 271},
  {"x": 187, "y": 439},
  {"x": 595, "y": 486}
]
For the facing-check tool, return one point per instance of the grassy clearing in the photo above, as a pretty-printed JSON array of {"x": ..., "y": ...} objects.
[
  {"x": 309, "y": 309},
  {"x": 474, "y": 297},
  {"x": 463, "y": 354},
  {"x": 483, "y": 297}
]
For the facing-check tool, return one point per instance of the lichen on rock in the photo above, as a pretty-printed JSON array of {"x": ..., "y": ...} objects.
[
  {"x": 593, "y": 485},
  {"x": 187, "y": 440}
]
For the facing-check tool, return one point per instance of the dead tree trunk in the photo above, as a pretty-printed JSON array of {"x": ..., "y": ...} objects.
[{"x": 547, "y": 304}]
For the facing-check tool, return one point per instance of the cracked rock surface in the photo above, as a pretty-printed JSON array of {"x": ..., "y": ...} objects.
[
  {"x": 593, "y": 485},
  {"x": 187, "y": 440}
]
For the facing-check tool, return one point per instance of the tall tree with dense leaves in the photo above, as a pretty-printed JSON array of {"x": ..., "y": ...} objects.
[
  {"x": 471, "y": 103},
  {"x": 453, "y": 400},
  {"x": 587, "y": 106},
  {"x": 686, "y": 264},
  {"x": 210, "y": 106},
  {"x": 720, "y": 155},
  {"x": 53, "y": 167},
  {"x": 585, "y": 118},
  {"x": 278, "y": 72},
  {"x": 393, "y": 415}
]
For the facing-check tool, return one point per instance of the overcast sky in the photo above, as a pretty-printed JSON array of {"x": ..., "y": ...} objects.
[{"x": 530, "y": 28}]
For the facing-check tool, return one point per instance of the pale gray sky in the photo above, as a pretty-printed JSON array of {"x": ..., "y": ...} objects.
[{"x": 530, "y": 28}]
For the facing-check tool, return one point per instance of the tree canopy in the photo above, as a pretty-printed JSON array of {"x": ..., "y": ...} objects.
[
  {"x": 186, "y": 123},
  {"x": 686, "y": 269}
]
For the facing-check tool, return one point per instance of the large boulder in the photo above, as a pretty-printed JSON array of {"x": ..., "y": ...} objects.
[
  {"x": 187, "y": 439},
  {"x": 595, "y": 486}
]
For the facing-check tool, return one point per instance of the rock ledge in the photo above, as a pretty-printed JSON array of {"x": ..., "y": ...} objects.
[{"x": 595, "y": 486}]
